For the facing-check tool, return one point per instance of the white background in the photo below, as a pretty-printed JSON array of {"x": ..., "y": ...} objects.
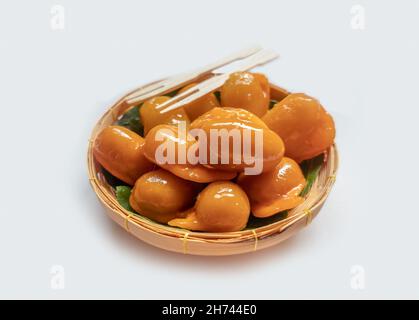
[{"x": 55, "y": 84}]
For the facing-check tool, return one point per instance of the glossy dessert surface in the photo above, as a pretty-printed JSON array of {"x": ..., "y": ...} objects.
[
  {"x": 162, "y": 196},
  {"x": 201, "y": 105},
  {"x": 174, "y": 155},
  {"x": 274, "y": 191},
  {"x": 150, "y": 115},
  {"x": 249, "y": 131},
  {"x": 247, "y": 91},
  {"x": 303, "y": 124},
  {"x": 222, "y": 206},
  {"x": 120, "y": 151}
]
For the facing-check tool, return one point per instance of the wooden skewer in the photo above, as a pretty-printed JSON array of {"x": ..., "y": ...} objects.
[
  {"x": 249, "y": 62},
  {"x": 158, "y": 87},
  {"x": 213, "y": 83}
]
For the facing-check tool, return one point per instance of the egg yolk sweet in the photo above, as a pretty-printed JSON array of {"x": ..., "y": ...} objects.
[
  {"x": 120, "y": 151},
  {"x": 276, "y": 190},
  {"x": 221, "y": 207},
  {"x": 198, "y": 107},
  {"x": 237, "y": 128},
  {"x": 150, "y": 115},
  {"x": 166, "y": 135},
  {"x": 303, "y": 124},
  {"x": 247, "y": 91},
  {"x": 162, "y": 196}
]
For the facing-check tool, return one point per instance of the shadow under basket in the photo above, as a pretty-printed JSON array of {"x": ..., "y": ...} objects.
[{"x": 205, "y": 243}]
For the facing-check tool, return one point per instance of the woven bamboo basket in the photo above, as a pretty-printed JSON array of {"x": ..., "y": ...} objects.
[{"x": 204, "y": 243}]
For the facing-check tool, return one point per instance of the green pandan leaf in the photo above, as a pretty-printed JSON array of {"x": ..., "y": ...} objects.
[
  {"x": 131, "y": 120},
  {"x": 218, "y": 95},
  {"x": 272, "y": 103},
  {"x": 260, "y": 222},
  {"x": 311, "y": 169},
  {"x": 111, "y": 179},
  {"x": 122, "y": 195},
  {"x": 173, "y": 93}
]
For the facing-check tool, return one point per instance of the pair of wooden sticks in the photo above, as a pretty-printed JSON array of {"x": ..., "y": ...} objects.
[{"x": 254, "y": 56}]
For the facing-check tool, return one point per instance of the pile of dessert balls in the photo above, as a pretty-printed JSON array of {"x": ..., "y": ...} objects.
[{"x": 218, "y": 197}]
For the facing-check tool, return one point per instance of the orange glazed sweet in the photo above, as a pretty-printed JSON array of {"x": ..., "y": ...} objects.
[
  {"x": 276, "y": 190},
  {"x": 244, "y": 122},
  {"x": 120, "y": 151},
  {"x": 303, "y": 124},
  {"x": 221, "y": 207},
  {"x": 166, "y": 135},
  {"x": 201, "y": 105},
  {"x": 247, "y": 91},
  {"x": 151, "y": 116},
  {"x": 162, "y": 196}
]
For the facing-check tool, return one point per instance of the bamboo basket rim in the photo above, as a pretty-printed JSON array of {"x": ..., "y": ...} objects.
[{"x": 313, "y": 200}]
